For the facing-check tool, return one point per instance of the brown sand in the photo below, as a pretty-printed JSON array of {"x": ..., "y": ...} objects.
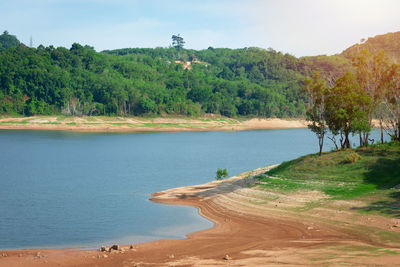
[
  {"x": 138, "y": 124},
  {"x": 253, "y": 227}
]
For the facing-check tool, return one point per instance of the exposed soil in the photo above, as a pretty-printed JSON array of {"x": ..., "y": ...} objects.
[{"x": 139, "y": 124}]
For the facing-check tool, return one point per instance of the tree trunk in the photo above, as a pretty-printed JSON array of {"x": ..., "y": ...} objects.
[
  {"x": 381, "y": 125},
  {"x": 341, "y": 140},
  {"x": 398, "y": 132},
  {"x": 334, "y": 142},
  {"x": 346, "y": 140},
  {"x": 365, "y": 138},
  {"x": 321, "y": 144}
]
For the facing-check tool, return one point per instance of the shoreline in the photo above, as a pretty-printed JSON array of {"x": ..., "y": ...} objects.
[
  {"x": 251, "y": 228},
  {"x": 139, "y": 124}
]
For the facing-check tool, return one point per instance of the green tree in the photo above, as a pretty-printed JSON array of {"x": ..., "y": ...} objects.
[
  {"x": 391, "y": 102},
  {"x": 370, "y": 70},
  {"x": 315, "y": 113},
  {"x": 7, "y": 41},
  {"x": 177, "y": 42},
  {"x": 147, "y": 105},
  {"x": 346, "y": 106},
  {"x": 221, "y": 173}
]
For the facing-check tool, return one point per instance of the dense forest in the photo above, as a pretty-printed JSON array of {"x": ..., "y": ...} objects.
[
  {"x": 146, "y": 81},
  {"x": 79, "y": 80}
]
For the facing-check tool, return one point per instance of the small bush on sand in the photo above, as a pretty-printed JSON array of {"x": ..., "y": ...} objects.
[{"x": 221, "y": 173}]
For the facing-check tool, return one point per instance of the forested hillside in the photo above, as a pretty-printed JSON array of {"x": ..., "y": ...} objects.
[{"x": 140, "y": 81}]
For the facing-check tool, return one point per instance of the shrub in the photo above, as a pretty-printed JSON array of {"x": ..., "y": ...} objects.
[
  {"x": 221, "y": 173},
  {"x": 352, "y": 157}
]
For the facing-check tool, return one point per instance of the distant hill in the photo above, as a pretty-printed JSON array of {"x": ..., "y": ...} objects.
[
  {"x": 332, "y": 67},
  {"x": 389, "y": 42}
]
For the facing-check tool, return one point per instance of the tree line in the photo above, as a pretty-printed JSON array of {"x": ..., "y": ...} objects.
[
  {"x": 347, "y": 105},
  {"x": 146, "y": 81}
]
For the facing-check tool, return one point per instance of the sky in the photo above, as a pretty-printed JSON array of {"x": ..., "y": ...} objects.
[{"x": 297, "y": 27}]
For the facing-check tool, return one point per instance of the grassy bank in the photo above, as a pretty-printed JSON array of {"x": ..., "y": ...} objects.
[{"x": 369, "y": 175}]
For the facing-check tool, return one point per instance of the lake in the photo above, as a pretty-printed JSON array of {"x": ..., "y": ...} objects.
[{"x": 67, "y": 189}]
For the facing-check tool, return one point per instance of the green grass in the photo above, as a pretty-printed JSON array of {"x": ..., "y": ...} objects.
[
  {"x": 165, "y": 125},
  {"x": 379, "y": 164},
  {"x": 15, "y": 122},
  {"x": 61, "y": 118},
  {"x": 119, "y": 123},
  {"x": 374, "y": 176},
  {"x": 28, "y": 121},
  {"x": 90, "y": 118},
  {"x": 367, "y": 250},
  {"x": 51, "y": 122},
  {"x": 348, "y": 191},
  {"x": 389, "y": 236},
  {"x": 91, "y": 123},
  {"x": 282, "y": 184}
]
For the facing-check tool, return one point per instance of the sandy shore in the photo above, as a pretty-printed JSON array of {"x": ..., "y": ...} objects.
[
  {"x": 139, "y": 124},
  {"x": 252, "y": 227}
]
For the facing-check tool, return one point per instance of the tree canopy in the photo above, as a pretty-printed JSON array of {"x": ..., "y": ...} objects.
[
  {"x": 348, "y": 104},
  {"x": 8, "y": 41},
  {"x": 177, "y": 41},
  {"x": 137, "y": 81}
]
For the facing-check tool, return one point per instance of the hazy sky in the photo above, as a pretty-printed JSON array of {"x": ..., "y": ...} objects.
[{"x": 298, "y": 27}]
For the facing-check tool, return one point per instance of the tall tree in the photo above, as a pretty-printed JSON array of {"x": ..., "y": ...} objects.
[
  {"x": 316, "y": 90},
  {"x": 370, "y": 70},
  {"x": 177, "y": 42},
  {"x": 391, "y": 102},
  {"x": 346, "y": 106}
]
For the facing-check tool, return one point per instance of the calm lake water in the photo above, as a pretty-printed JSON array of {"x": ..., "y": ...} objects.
[{"x": 65, "y": 189}]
